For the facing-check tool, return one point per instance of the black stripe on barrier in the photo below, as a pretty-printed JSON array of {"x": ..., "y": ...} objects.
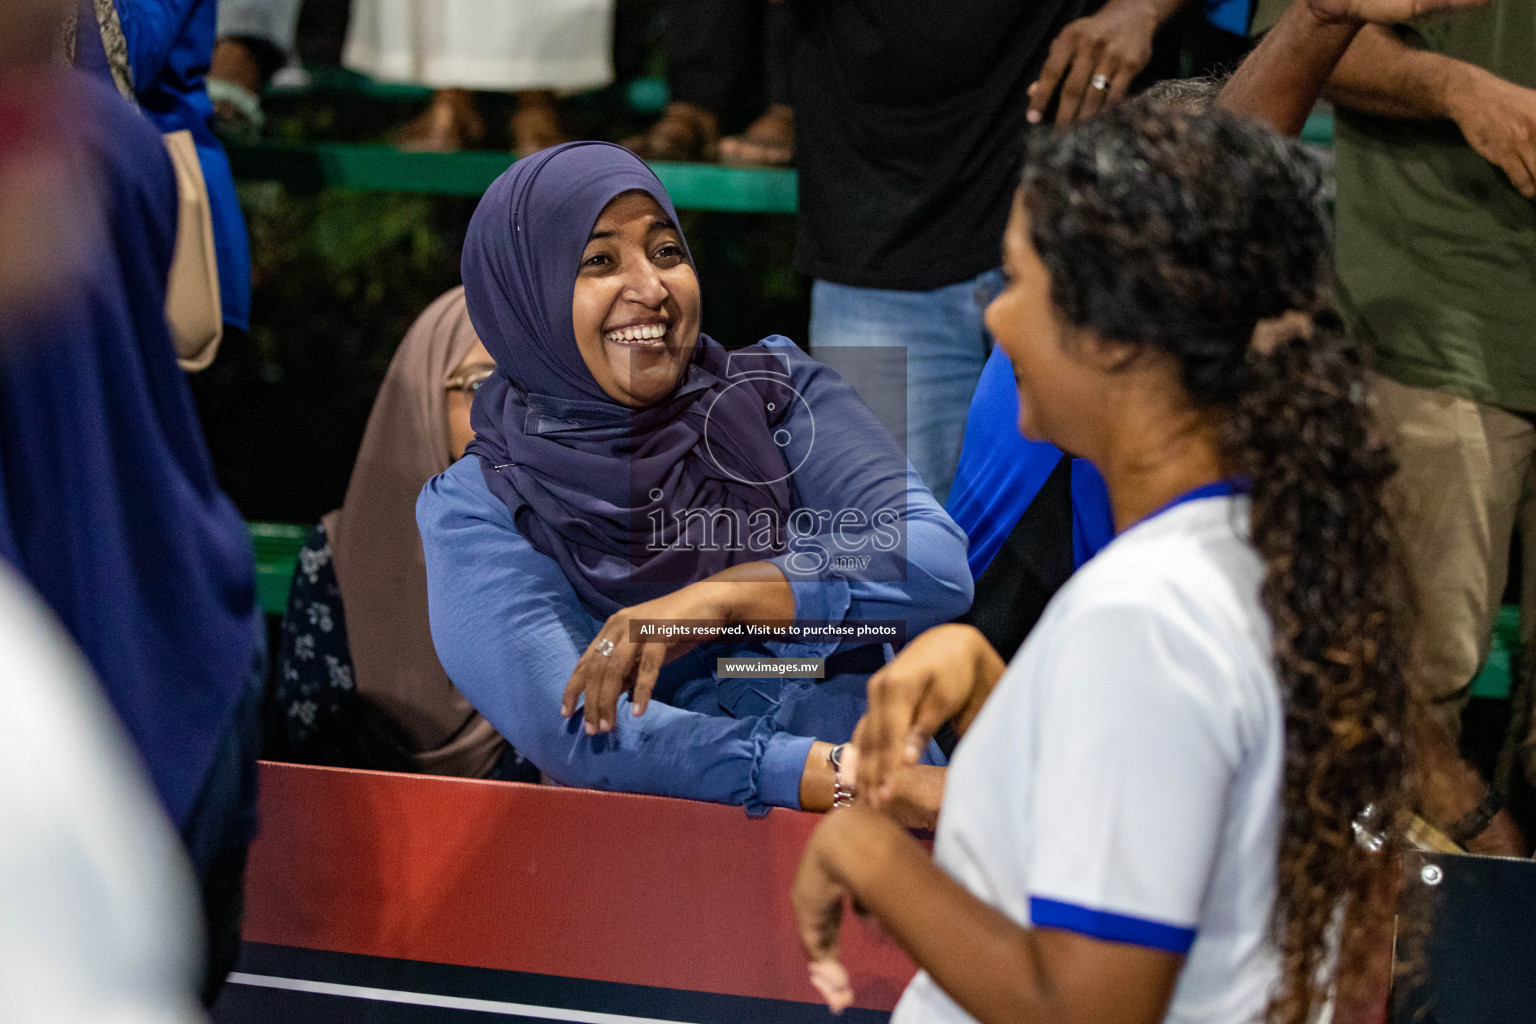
[{"x": 294, "y": 986}]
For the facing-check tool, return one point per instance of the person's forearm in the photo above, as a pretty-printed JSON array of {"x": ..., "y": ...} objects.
[
  {"x": 818, "y": 780},
  {"x": 1450, "y": 788},
  {"x": 1158, "y": 10},
  {"x": 1285, "y": 74},
  {"x": 973, "y": 951},
  {"x": 987, "y": 667},
  {"x": 1380, "y": 74},
  {"x": 748, "y": 592}
]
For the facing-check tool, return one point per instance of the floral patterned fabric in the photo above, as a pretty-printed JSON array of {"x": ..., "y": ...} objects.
[
  {"x": 314, "y": 713},
  {"x": 312, "y": 694}
]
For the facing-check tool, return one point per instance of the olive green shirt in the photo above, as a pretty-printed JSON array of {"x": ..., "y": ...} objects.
[{"x": 1436, "y": 251}]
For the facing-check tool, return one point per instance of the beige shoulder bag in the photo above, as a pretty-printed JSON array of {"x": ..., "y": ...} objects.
[{"x": 192, "y": 305}]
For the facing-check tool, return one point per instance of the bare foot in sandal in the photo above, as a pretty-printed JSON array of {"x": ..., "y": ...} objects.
[
  {"x": 451, "y": 123},
  {"x": 685, "y": 132},
  {"x": 768, "y": 142}
]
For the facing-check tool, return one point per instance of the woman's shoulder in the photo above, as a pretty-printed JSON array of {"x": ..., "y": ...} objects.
[
  {"x": 1191, "y": 575},
  {"x": 460, "y": 494},
  {"x": 797, "y": 361}
]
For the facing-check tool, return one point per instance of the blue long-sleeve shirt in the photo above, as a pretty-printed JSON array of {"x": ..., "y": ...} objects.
[
  {"x": 509, "y": 627},
  {"x": 1001, "y": 472},
  {"x": 170, "y": 44}
]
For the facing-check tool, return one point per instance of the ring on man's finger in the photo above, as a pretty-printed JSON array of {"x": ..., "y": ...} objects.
[
  {"x": 605, "y": 647},
  {"x": 1100, "y": 82}
]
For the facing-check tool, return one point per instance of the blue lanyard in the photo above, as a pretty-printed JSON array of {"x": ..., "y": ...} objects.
[{"x": 1214, "y": 489}]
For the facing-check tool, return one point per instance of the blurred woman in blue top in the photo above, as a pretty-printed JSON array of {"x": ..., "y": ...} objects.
[
  {"x": 627, "y": 468},
  {"x": 108, "y": 503},
  {"x": 169, "y": 44}
]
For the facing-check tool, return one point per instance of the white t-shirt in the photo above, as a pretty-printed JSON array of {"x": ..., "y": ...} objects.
[
  {"x": 98, "y": 917},
  {"x": 1123, "y": 780}
]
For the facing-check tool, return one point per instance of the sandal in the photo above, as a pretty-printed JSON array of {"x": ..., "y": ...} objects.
[
  {"x": 686, "y": 132},
  {"x": 768, "y": 142}
]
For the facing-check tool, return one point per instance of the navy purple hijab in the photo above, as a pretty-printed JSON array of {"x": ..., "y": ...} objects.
[
  {"x": 589, "y": 480},
  {"x": 108, "y": 503}
]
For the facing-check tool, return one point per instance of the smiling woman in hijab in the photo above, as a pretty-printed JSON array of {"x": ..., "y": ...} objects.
[
  {"x": 358, "y": 684},
  {"x": 627, "y": 468}
]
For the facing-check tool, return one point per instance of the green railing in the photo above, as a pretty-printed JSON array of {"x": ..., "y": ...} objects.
[
  {"x": 373, "y": 168},
  {"x": 329, "y": 79},
  {"x": 379, "y": 168},
  {"x": 388, "y": 169}
]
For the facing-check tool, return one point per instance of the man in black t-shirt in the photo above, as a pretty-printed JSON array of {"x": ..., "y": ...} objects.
[{"x": 910, "y": 120}]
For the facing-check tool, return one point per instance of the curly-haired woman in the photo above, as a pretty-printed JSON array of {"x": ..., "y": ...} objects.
[{"x": 1152, "y": 813}]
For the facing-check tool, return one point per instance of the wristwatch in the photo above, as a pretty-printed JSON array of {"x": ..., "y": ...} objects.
[{"x": 842, "y": 796}]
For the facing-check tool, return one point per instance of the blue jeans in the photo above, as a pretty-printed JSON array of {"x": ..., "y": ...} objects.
[{"x": 945, "y": 346}]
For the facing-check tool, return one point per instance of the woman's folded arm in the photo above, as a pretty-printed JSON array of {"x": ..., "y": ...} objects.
[{"x": 509, "y": 629}]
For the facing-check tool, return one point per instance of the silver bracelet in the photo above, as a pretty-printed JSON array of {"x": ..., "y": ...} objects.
[{"x": 842, "y": 796}]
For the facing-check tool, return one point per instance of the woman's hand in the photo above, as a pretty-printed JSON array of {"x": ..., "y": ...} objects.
[
  {"x": 617, "y": 662},
  {"x": 819, "y": 892},
  {"x": 818, "y": 897},
  {"x": 946, "y": 673},
  {"x": 917, "y": 790}
]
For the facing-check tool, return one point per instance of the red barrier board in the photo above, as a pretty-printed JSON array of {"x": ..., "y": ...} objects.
[{"x": 542, "y": 881}]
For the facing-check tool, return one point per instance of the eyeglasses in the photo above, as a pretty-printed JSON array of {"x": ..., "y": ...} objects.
[{"x": 469, "y": 382}]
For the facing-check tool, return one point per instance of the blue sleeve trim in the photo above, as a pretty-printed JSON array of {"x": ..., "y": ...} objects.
[
  {"x": 778, "y": 761},
  {"x": 1111, "y": 927}
]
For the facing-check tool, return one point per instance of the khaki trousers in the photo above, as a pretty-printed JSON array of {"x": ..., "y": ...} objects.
[{"x": 1466, "y": 483}]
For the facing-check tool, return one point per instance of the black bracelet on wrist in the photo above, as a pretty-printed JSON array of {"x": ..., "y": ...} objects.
[{"x": 1475, "y": 821}]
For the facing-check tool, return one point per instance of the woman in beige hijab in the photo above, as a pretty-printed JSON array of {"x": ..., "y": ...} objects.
[{"x": 358, "y": 683}]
